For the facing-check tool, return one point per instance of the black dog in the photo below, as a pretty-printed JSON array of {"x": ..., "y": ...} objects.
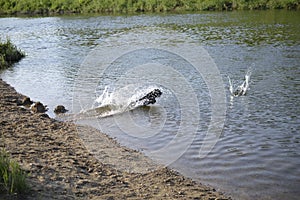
[{"x": 150, "y": 98}]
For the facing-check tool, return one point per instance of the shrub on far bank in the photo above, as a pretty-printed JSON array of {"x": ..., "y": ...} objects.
[
  {"x": 9, "y": 54},
  {"x": 12, "y": 177},
  {"x": 48, "y": 7}
]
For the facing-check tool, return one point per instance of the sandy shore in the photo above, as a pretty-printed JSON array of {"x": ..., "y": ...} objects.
[{"x": 62, "y": 167}]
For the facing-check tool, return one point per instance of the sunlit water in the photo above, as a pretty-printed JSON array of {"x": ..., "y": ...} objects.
[{"x": 257, "y": 155}]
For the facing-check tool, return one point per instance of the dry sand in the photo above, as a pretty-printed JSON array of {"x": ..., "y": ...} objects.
[{"x": 61, "y": 166}]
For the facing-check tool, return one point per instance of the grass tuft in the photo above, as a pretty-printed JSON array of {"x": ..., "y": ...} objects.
[{"x": 12, "y": 177}]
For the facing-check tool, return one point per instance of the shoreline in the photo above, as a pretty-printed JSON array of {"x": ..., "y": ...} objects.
[{"x": 61, "y": 166}]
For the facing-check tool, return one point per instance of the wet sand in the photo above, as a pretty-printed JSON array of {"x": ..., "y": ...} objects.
[{"x": 62, "y": 166}]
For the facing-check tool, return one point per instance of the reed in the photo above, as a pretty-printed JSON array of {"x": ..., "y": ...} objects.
[
  {"x": 131, "y": 6},
  {"x": 12, "y": 177}
]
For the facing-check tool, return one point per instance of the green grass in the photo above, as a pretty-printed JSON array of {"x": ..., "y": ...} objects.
[
  {"x": 9, "y": 54},
  {"x": 131, "y": 6},
  {"x": 12, "y": 177}
]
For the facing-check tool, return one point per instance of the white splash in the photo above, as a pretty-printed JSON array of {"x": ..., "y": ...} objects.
[
  {"x": 116, "y": 101},
  {"x": 241, "y": 89}
]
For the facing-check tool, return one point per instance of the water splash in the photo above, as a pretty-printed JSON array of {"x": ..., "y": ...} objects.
[
  {"x": 242, "y": 88},
  {"x": 116, "y": 101}
]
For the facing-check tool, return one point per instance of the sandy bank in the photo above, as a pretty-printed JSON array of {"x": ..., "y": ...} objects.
[{"x": 61, "y": 167}]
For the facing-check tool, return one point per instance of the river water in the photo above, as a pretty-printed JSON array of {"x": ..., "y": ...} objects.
[{"x": 253, "y": 144}]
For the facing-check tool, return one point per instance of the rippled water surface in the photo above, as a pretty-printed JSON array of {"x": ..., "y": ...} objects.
[{"x": 257, "y": 153}]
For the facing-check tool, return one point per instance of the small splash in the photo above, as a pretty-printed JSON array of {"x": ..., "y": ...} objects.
[{"x": 242, "y": 88}]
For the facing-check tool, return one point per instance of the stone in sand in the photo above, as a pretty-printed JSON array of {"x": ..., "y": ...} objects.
[
  {"x": 60, "y": 109},
  {"x": 26, "y": 101},
  {"x": 38, "y": 107}
]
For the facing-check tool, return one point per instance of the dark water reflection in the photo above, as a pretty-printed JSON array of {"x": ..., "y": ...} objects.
[{"x": 257, "y": 156}]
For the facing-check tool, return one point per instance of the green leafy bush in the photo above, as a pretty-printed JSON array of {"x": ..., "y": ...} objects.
[{"x": 9, "y": 54}]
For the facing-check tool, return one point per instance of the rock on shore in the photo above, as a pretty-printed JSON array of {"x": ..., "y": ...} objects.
[
  {"x": 61, "y": 167},
  {"x": 60, "y": 109}
]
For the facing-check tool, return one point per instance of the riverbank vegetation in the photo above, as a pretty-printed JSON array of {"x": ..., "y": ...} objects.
[
  {"x": 12, "y": 177},
  {"x": 9, "y": 54},
  {"x": 131, "y": 6}
]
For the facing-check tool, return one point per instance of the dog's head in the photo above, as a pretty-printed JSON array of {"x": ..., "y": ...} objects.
[{"x": 157, "y": 92}]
